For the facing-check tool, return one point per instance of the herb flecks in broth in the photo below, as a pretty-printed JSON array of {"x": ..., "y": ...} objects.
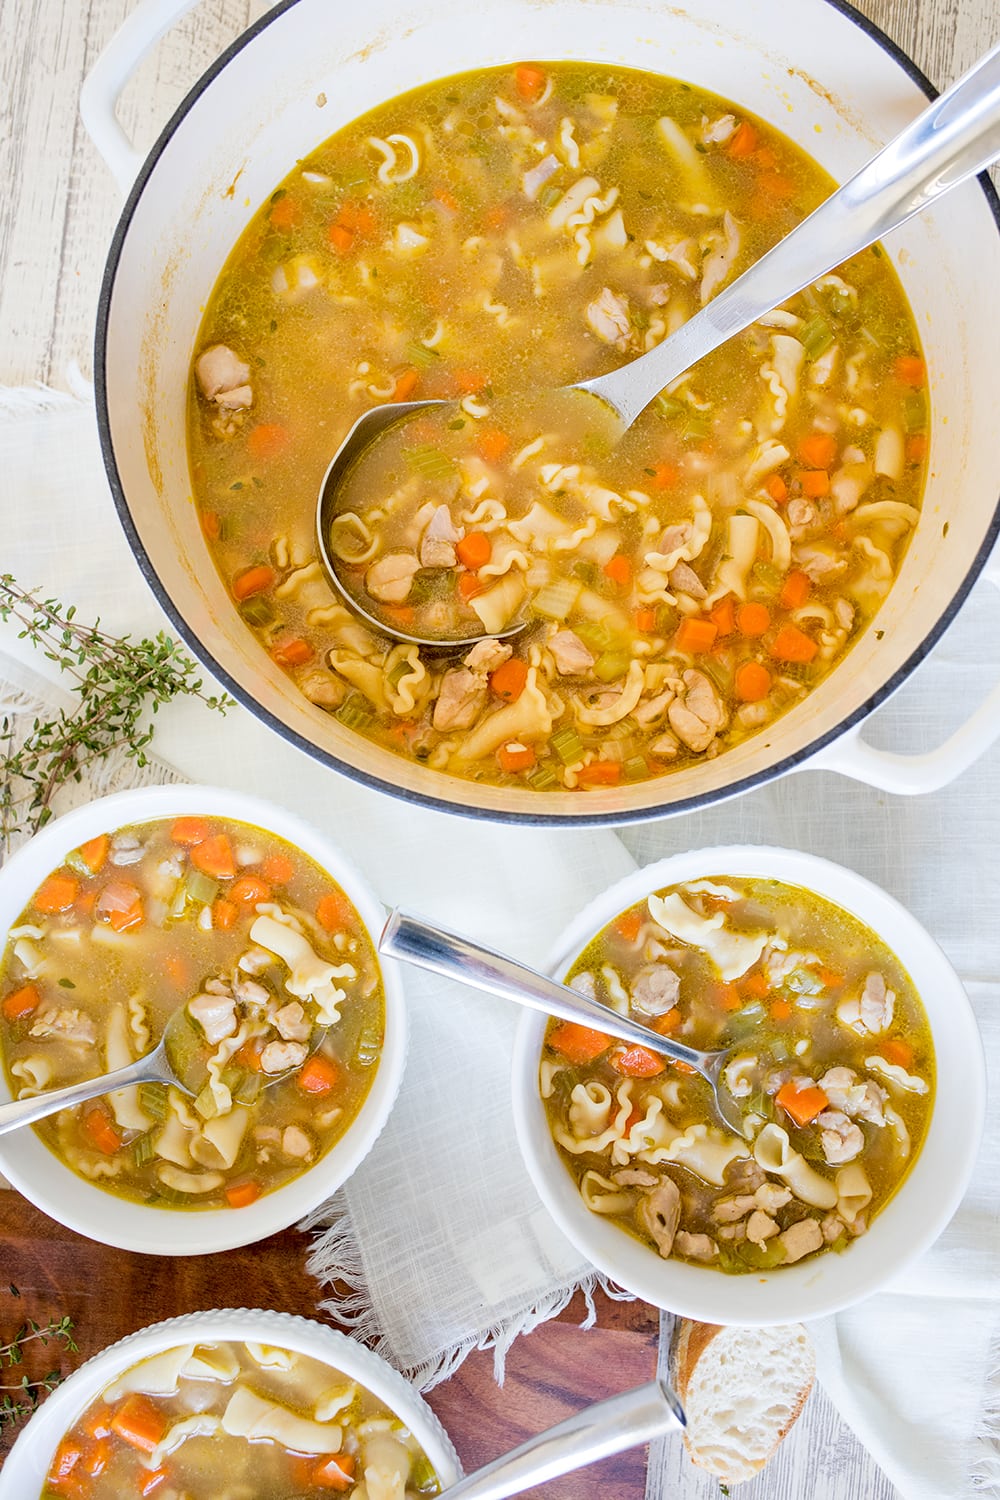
[
  {"x": 483, "y": 237},
  {"x": 273, "y": 972},
  {"x": 833, "y": 1069}
]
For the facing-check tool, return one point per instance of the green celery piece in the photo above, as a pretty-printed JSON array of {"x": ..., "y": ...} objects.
[
  {"x": 611, "y": 665},
  {"x": 568, "y": 745},
  {"x": 555, "y": 600}
]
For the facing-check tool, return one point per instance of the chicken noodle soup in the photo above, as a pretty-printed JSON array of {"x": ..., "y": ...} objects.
[
  {"x": 526, "y": 227},
  {"x": 277, "y": 980},
  {"x": 230, "y": 1421},
  {"x": 833, "y": 1070}
]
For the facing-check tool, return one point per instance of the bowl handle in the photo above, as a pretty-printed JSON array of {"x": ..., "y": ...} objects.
[
  {"x": 912, "y": 774},
  {"x": 102, "y": 88}
]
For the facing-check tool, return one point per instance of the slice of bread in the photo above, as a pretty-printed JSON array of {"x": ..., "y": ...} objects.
[{"x": 743, "y": 1389}]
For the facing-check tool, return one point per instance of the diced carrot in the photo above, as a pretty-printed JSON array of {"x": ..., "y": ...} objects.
[
  {"x": 637, "y": 1062},
  {"x": 909, "y": 369},
  {"x": 446, "y": 198},
  {"x": 508, "y": 681},
  {"x": 248, "y": 1055},
  {"x": 776, "y": 488},
  {"x": 188, "y": 831},
  {"x": 96, "y": 1423},
  {"x": 665, "y": 476},
  {"x": 723, "y": 615},
  {"x": 753, "y": 618},
  {"x": 619, "y": 570},
  {"x": 253, "y": 581},
  {"x": 668, "y": 1022},
  {"x": 94, "y": 852},
  {"x": 138, "y": 1422},
  {"x": 336, "y": 1473},
  {"x": 795, "y": 590},
  {"x": 400, "y": 614},
  {"x": 469, "y": 585},
  {"x": 406, "y": 384},
  {"x": 357, "y": 216},
  {"x": 474, "y": 550},
  {"x": 695, "y": 635},
  {"x": 470, "y": 382},
  {"x": 496, "y": 216},
  {"x": 277, "y": 869},
  {"x": 242, "y": 1194},
  {"x": 285, "y": 214},
  {"x": 600, "y": 773},
  {"x": 100, "y": 1131},
  {"x": 85, "y": 901},
  {"x": 802, "y": 1104},
  {"x": 214, "y": 856},
  {"x": 67, "y": 1457},
  {"x": 516, "y": 757},
  {"x": 779, "y": 1010},
  {"x": 152, "y": 1480},
  {"x": 686, "y": 1068},
  {"x": 132, "y": 916},
  {"x": 267, "y": 440},
  {"x": 293, "y": 653},
  {"x": 645, "y": 620},
  {"x": 776, "y": 185},
  {"x": 20, "y": 1003},
  {"x": 56, "y": 893},
  {"x": 248, "y": 890},
  {"x": 175, "y": 966},
  {"x": 492, "y": 444},
  {"x": 818, "y": 450},
  {"x": 629, "y": 925},
  {"x": 211, "y": 524},
  {"x": 333, "y": 912},
  {"x": 815, "y": 483},
  {"x": 916, "y": 447},
  {"x": 793, "y": 645},
  {"x": 726, "y": 996},
  {"x": 224, "y": 914},
  {"x": 897, "y": 1051},
  {"x": 756, "y": 985},
  {"x": 340, "y": 238},
  {"x": 580, "y": 1044},
  {"x": 97, "y": 1458},
  {"x": 530, "y": 82},
  {"x": 743, "y": 141},
  {"x": 829, "y": 978},
  {"x": 318, "y": 1075}
]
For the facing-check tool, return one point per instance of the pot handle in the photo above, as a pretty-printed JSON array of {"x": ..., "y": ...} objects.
[
  {"x": 910, "y": 775},
  {"x": 103, "y": 85}
]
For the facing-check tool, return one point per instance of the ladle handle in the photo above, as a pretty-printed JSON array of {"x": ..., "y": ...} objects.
[
  {"x": 598, "y": 1431},
  {"x": 955, "y": 137},
  {"x": 20, "y": 1112},
  {"x": 447, "y": 953}
]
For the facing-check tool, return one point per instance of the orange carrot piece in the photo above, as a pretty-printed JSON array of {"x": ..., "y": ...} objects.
[
  {"x": 248, "y": 890},
  {"x": 793, "y": 645},
  {"x": 668, "y": 1022},
  {"x": 756, "y": 985},
  {"x": 67, "y": 1458},
  {"x": 318, "y": 1075},
  {"x": 253, "y": 581},
  {"x": 580, "y": 1044},
  {"x": 175, "y": 966},
  {"x": 492, "y": 444},
  {"x": 400, "y": 614},
  {"x": 211, "y": 524},
  {"x": 242, "y": 1194},
  {"x": 277, "y": 869},
  {"x": 753, "y": 618},
  {"x": 248, "y": 1055},
  {"x": 100, "y": 1131},
  {"x": 336, "y": 1473},
  {"x": 406, "y": 384},
  {"x": 121, "y": 921},
  {"x": 645, "y": 620},
  {"x": 726, "y": 996},
  {"x": 795, "y": 590},
  {"x": 619, "y": 570},
  {"x": 776, "y": 488},
  {"x": 829, "y": 978},
  {"x": 94, "y": 852},
  {"x": 779, "y": 1010},
  {"x": 815, "y": 483},
  {"x": 224, "y": 914},
  {"x": 357, "y": 216},
  {"x": 188, "y": 831},
  {"x": 267, "y": 440},
  {"x": 333, "y": 911},
  {"x": 474, "y": 550},
  {"x": 469, "y": 585},
  {"x": 600, "y": 773},
  {"x": 743, "y": 141},
  {"x": 897, "y": 1050},
  {"x": 695, "y": 635},
  {"x": 293, "y": 653},
  {"x": 629, "y": 925},
  {"x": 138, "y": 1422},
  {"x": 637, "y": 1062},
  {"x": 20, "y": 1003},
  {"x": 446, "y": 198},
  {"x": 285, "y": 214},
  {"x": 909, "y": 369},
  {"x": 802, "y": 1104},
  {"x": 530, "y": 82},
  {"x": 152, "y": 1480},
  {"x": 340, "y": 237},
  {"x": 818, "y": 450},
  {"x": 214, "y": 856},
  {"x": 56, "y": 893},
  {"x": 683, "y": 1067},
  {"x": 508, "y": 681},
  {"x": 665, "y": 476},
  {"x": 723, "y": 615},
  {"x": 516, "y": 757},
  {"x": 470, "y": 382},
  {"x": 916, "y": 447}
]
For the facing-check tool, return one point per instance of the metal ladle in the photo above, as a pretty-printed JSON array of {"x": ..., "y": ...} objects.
[
  {"x": 447, "y": 953},
  {"x": 955, "y": 137}
]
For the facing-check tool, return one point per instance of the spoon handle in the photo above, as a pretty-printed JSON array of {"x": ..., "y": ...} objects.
[
  {"x": 598, "y": 1431},
  {"x": 18, "y": 1112},
  {"x": 418, "y": 942},
  {"x": 955, "y": 137}
]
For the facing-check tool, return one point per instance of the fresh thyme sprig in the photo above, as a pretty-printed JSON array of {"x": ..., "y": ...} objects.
[
  {"x": 29, "y": 1389},
  {"x": 119, "y": 684}
]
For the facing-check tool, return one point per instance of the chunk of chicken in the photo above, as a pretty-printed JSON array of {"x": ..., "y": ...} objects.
[
  {"x": 437, "y": 545},
  {"x": 698, "y": 713},
  {"x": 390, "y": 579},
  {"x": 249, "y": 992},
  {"x": 460, "y": 700},
  {"x": 658, "y": 1213},
  {"x": 650, "y": 711},
  {"x": 584, "y": 984},
  {"x": 860, "y": 1100},
  {"x": 487, "y": 655},
  {"x": 292, "y": 1023},
  {"x": 695, "y": 1246},
  {"x": 295, "y": 1143},
  {"x": 67, "y": 1025},
  {"x": 684, "y": 580},
  {"x": 721, "y": 260},
  {"x": 833, "y": 1227},
  {"x": 608, "y": 317},
  {"x": 770, "y": 1197},
  {"x": 673, "y": 537},
  {"x": 215, "y": 1014},
  {"x": 728, "y": 1210},
  {"x": 665, "y": 746},
  {"x": 800, "y": 1239},
  {"x": 655, "y": 990},
  {"x": 760, "y": 1227},
  {"x": 872, "y": 1010},
  {"x": 224, "y": 378},
  {"x": 571, "y": 655},
  {"x": 634, "y": 1177},
  {"x": 323, "y": 689},
  {"x": 840, "y": 1138},
  {"x": 277, "y": 1057}
]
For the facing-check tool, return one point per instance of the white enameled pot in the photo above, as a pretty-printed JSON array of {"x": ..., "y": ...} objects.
[
  {"x": 912, "y": 1219},
  {"x": 27, "y": 1464},
  {"x": 70, "y": 1199},
  {"x": 815, "y": 69}
]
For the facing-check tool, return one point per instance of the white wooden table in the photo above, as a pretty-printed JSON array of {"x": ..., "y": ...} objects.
[{"x": 57, "y": 214}]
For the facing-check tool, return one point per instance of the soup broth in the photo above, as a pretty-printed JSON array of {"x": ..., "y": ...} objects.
[
  {"x": 526, "y": 227},
  {"x": 832, "y": 1069}
]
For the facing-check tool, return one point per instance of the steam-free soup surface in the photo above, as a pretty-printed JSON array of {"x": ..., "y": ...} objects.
[
  {"x": 503, "y": 231},
  {"x": 832, "y": 1069}
]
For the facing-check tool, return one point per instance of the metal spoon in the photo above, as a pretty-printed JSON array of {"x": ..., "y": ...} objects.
[
  {"x": 955, "y": 137},
  {"x": 418, "y": 942},
  {"x": 597, "y": 1432}
]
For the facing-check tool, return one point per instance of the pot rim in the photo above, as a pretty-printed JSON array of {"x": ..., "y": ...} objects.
[{"x": 798, "y": 760}]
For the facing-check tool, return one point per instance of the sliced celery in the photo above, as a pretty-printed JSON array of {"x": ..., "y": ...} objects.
[
  {"x": 568, "y": 746},
  {"x": 611, "y": 665},
  {"x": 555, "y": 601}
]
